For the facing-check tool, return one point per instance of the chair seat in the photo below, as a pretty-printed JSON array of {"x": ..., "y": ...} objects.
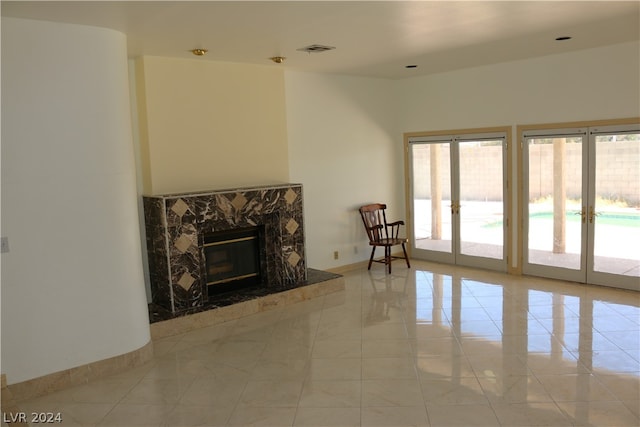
[{"x": 388, "y": 242}]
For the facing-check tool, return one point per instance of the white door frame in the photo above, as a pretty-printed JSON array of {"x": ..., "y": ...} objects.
[{"x": 455, "y": 256}]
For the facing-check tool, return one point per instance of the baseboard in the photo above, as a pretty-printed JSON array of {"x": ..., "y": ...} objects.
[
  {"x": 357, "y": 265},
  {"x": 348, "y": 267},
  {"x": 79, "y": 375}
]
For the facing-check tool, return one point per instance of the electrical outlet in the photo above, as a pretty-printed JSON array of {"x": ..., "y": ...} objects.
[
  {"x": 4, "y": 244},
  {"x": 336, "y": 255}
]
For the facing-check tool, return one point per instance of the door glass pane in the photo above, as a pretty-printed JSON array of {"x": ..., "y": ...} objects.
[
  {"x": 616, "y": 214},
  {"x": 432, "y": 196},
  {"x": 481, "y": 203},
  {"x": 555, "y": 202}
]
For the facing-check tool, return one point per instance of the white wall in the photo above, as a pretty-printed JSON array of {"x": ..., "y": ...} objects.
[
  {"x": 72, "y": 285},
  {"x": 344, "y": 149},
  {"x": 589, "y": 84}
]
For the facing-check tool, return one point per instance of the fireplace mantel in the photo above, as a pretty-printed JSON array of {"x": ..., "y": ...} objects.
[{"x": 176, "y": 224}]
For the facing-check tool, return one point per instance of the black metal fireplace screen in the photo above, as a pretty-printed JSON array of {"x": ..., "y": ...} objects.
[{"x": 233, "y": 259}]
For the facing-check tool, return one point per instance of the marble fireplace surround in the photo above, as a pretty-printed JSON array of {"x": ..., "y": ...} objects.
[{"x": 176, "y": 224}]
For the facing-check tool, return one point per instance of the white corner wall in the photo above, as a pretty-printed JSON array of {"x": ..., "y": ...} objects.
[
  {"x": 344, "y": 149},
  {"x": 72, "y": 283}
]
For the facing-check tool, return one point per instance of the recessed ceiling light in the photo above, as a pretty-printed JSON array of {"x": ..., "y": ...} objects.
[
  {"x": 316, "y": 48},
  {"x": 199, "y": 52},
  {"x": 278, "y": 59},
  {"x": 410, "y": 66},
  {"x": 563, "y": 38}
]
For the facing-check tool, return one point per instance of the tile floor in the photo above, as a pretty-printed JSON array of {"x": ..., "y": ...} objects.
[{"x": 428, "y": 346}]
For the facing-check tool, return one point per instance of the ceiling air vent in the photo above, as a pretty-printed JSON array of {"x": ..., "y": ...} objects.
[{"x": 316, "y": 48}]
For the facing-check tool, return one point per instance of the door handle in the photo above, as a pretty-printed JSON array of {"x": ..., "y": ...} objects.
[
  {"x": 592, "y": 214},
  {"x": 582, "y": 213}
]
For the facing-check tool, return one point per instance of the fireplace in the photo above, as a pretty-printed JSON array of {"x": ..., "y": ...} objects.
[
  {"x": 180, "y": 231},
  {"x": 233, "y": 259}
]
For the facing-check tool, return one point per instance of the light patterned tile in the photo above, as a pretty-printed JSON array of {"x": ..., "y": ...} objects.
[
  {"x": 386, "y": 348},
  {"x": 198, "y": 415},
  {"x": 331, "y": 369},
  {"x": 331, "y": 394},
  {"x": 624, "y": 387},
  {"x": 158, "y": 391},
  {"x": 603, "y": 414},
  {"x": 337, "y": 349},
  {"x": 262, "y": 416},
  {"x": 327, "y": 417},
  {"x": 443, "y": 367},
  {"x": 327, "y": 361},
  {"x": 207, "y": 392},
  {"x": 389, "y": 368},
  {"x": 575, "y": 388},
  {"x": 514, "y": 389},
  {"x": 455, "y": 391},
  {"x": 126, "y": 414},
  {"x": 271, "y": 393},
  {"x": 391, "y": 393},
  {"x": 531, "y": 414},
  {"x": 280, "y": 369},
  {"x": 462, "y": 415},
  {"x": 395, "y": 416}
]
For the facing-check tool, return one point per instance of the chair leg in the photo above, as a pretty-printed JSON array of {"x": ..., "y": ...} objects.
[
  {"x": 406, "y": 258},
  {"x": 388, "y": 256},
  {"x": 373, "y": 251}
]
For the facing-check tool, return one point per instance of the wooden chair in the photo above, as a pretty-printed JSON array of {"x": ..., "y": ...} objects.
[{"x": 383, "y": 234}]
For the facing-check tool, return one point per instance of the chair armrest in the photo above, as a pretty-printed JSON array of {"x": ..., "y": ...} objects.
[
  {"x": 396, "y": 223},
  {"x": 395, "y": 228}
]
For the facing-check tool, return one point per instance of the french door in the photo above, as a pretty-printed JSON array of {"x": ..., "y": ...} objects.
[
  {"x": 457, "y": 186},
  {"x": 582, "y": 204}
]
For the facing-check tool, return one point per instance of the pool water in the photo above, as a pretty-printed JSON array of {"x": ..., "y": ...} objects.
[{"x": 610, "y": 218}]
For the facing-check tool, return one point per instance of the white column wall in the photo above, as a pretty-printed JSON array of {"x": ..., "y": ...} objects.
[{"x": 72, "y": 284}]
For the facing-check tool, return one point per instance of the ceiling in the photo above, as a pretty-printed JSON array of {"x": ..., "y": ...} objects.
[{"x": 372, "y": 38}]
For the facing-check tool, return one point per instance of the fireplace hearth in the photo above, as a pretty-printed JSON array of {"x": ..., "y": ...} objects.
[{"x": 186, "y": 269}]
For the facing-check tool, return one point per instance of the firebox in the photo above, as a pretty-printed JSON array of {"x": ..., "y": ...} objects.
[{"x": 233, "y": 259}]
